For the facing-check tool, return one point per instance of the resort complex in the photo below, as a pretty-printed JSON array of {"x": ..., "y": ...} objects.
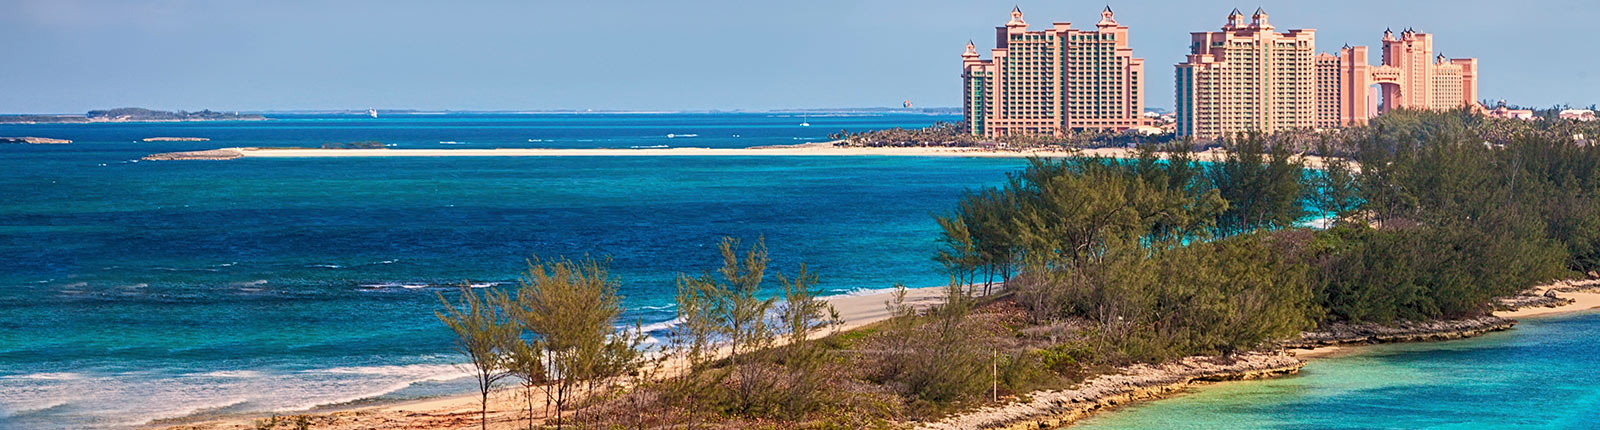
[
  {"x": 1054, "y": 81},
  {"x": 1248, "y": 77}
]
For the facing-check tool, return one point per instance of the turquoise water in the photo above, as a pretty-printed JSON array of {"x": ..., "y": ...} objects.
[
  {"x": 1544, "y": 374},
  {"x": 138, "y": 290}
]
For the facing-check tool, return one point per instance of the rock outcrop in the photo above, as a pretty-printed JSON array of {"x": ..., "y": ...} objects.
[
  {"x": 1050, "y": 409},
  {"x": 213, "y": 154},
  {"x": 1403, "y": 331},
  {"x": 1532, "y": 299}
]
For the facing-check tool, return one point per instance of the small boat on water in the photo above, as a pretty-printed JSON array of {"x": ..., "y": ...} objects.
[
  {"x": 372, "y": 112},
  {"x": 805, "y": 120}
]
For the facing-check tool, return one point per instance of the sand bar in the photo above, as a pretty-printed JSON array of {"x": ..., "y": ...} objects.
[{"x": 821, "y": 149}]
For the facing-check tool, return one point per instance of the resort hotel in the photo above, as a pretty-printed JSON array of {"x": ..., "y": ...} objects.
[{"x": 1248, "y": 77}]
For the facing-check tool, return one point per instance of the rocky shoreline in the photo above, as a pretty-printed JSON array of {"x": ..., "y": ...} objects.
[
  {"x": 1055, "y": 409},
  {"x": 1052, "y": 409},
  {"x": 211, "y": 154},
  {"x": 1403, "y": 331}
]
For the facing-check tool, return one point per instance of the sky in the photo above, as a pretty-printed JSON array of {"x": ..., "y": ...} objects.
[{"x": 70, "y": 56}]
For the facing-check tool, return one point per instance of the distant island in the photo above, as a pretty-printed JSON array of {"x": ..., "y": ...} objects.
[
  {"x": 33, "y": 140},
  {"x": 129, "y": 115}
]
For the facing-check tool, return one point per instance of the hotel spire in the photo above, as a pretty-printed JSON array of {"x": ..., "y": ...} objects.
[
  {"x": 1235, "y": 20},
  {"x": 1016, "y": 18},
  {"x": 1259, "y": 20},
  {"x": 1107, "y": 19}
]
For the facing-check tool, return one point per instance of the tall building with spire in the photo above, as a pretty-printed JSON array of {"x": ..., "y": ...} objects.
[
  {"x": 1053, "y": 81},
  {"x": 1249, "y": 78}
]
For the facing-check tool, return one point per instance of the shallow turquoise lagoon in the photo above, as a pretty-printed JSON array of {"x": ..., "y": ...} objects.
[{"x": 1544, "y": 374}]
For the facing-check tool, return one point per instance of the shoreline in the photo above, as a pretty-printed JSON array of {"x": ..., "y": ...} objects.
[
  {"x": 459, "y": 410},
  {"x": 1045, "y": 409},
  {"x": 1060, "y": 409},
  {"x": 805, "y": 149}
]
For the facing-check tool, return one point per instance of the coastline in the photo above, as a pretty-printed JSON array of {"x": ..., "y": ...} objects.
[
  {"x": 505, "y": 404},
  {"x": 806, "y": 149},
  {"x": 1044, "y": 409},
  {"x": 1060, "y": 409}
]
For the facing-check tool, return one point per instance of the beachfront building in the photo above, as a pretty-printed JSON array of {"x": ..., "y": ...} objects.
[
  {"x": 1054, "y": 81},
  {"x": 1508, "y": 113},
  {"x": 1576, "y": 114},
  {"x": 1249, "y": 78}
]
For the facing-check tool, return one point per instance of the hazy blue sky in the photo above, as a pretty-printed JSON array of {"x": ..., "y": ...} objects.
[{"x": 71, "y": 56}]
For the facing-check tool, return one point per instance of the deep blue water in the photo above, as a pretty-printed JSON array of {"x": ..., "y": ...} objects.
[
  {"x": 139, "y": 290},
  {"x": 1544, "y": 374}
]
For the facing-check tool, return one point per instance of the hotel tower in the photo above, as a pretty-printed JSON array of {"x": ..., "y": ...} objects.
[
  {"x": 1248, "y": 77},
  {"x": 1053, "y": 81}
]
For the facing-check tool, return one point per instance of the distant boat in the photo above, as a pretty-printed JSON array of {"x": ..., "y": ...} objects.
[
  {"x": 907, "y": 104},
  {"x": 805, "y": 120},
  {"x": 372, "y": 113}
]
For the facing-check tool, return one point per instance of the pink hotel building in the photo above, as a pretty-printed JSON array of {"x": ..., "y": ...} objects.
[
  {"x": 1249, "y": 78},
  {"x": 1244, "y": 78},
  {"x": 1054, "y": 81}
]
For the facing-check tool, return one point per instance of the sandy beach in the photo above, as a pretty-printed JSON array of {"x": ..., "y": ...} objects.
[
  {"x": 1586, "y": 298},
  {"x": 507, "y": 406},
  {"x": 822, "y": 149}
]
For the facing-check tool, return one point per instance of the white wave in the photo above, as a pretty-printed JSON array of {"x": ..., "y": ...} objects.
[
  {"x": 326, "y": 266},
  {"x": 47, "y": 376},
  {"x": 648, "y": 146},
  {"x": 660, "y": 325},
  {"x": 661, "y": 307},
  {"x": 674, "y": 136},
  {"x": 449, "y": 142},
  {"x": 254, "y": 283},
  {"x": 413, "y": 286},
  {"x": 420, "y": 372},
  {"x": 233, "y": 374},
  {"x": 483, "y": 284}
]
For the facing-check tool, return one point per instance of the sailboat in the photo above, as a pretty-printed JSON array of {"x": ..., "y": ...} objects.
[
  {"x": 805, "y": 120},
  {"x": 372, "y": 112}
]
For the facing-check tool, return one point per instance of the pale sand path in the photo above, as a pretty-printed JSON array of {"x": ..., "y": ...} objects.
[{"x": 826, "y": 149}]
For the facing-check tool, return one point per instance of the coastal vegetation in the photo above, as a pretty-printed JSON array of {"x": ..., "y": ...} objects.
[
  {"x": 1077, "y": 267},
  {"x": 365, "y": 144},
  {"x": 952, "y": 135}
]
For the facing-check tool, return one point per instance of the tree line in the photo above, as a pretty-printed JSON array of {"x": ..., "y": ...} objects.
[
  {"x": 1429, "y": 215},
  {"x": 1068, "y": 269}
]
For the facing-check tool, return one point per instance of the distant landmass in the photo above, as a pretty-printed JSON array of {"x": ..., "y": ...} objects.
[{"x": 129, "y": 115}]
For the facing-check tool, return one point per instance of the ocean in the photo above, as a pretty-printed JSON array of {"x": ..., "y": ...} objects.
[{"x": 132, "y": 291}]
